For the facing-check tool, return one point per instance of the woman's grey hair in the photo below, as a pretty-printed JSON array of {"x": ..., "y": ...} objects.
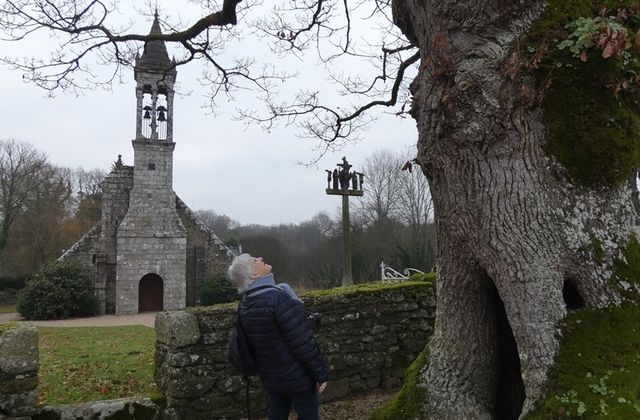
[{"x": 239, "y": 272}]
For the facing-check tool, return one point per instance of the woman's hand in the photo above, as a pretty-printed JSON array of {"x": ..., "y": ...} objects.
[{"x": 321, "y": 387}]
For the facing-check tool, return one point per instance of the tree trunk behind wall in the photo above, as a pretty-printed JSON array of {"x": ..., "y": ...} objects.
[{"x": 513, "y": 231}]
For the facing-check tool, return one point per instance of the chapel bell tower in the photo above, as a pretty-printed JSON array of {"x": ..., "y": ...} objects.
[
  {"x": 155, "y": 77},
  {"x": 151, "y": 240}
]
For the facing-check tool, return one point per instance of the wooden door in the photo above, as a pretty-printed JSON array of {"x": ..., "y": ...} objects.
[{"x": 150, "y": 293}]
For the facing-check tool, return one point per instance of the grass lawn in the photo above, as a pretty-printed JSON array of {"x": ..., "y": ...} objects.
[
  {"x": 95, "y": 363},
  {"x": 8, "y": 309}
]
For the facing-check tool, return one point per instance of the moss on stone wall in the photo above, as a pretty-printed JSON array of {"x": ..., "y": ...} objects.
[
  {"x": 427, "y": 280},
  {"x": 626, "y": 270},
  {"x": 405, "y": 405},
  {"x": 8, "y": 326},
  {"x": 593, "y": 133},
  {"x": 364, "y": 288},
  {"x": 597, "y": 371},
  {"x": 221, "y": 307}
]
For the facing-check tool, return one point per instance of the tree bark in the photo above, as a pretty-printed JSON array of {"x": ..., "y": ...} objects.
[{"x": 513, "y": 230}]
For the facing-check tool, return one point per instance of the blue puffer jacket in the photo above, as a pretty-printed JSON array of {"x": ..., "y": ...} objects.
[{"x": 289, "y": 360}]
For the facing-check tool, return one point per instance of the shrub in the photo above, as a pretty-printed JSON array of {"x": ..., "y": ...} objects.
[
  {"x": 217, "y": 289},
  {"x": 60, "y": 290}
]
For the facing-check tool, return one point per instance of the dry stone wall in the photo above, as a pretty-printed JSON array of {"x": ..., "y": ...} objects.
[{"x": 368, "y": 334}]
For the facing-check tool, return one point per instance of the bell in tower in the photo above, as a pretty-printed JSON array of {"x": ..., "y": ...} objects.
[{"x": 155, "y": 75}]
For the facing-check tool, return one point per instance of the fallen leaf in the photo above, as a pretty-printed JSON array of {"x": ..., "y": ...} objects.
[{"x": 583, "y": 56}]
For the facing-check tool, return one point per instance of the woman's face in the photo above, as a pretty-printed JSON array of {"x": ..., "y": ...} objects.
[{"x": 259, "y": 268}]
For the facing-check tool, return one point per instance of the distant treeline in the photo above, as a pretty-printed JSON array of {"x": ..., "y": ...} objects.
[
  {"x": 44, "y": 209},
  {"x": 392, "y": 222}
]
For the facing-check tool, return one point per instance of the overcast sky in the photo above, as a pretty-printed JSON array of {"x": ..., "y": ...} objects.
[{"x": 248, "y": 174}]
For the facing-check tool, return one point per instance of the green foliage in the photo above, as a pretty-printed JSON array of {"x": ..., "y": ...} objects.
[
  {"x": 592, "y": 104},
  {"x": 60, "y": 290},
  {"x": 217, "y": 289},
  {"x": 405, "y": 405},
  {"x": 585, "y": 31},
  {"x": 98, "y": 363},
  {"x": 627, "y": 269},
  {"x": 597, "y": 371}
]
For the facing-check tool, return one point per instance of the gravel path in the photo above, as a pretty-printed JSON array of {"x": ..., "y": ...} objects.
[{"x": 146, "y": 319}]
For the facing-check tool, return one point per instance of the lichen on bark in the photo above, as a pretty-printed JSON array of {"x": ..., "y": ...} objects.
[{"x": 626, "y": 270}]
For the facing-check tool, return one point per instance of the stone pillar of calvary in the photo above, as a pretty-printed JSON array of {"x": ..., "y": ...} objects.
[{"x": 342, "y": 181}]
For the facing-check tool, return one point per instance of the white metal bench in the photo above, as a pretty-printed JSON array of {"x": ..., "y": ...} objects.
[{"x": 389, "y": 275}]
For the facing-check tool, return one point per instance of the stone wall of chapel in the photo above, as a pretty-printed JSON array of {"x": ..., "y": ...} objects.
[
  {"x": 151, "y": 238},
  {"x": 206, "y": 253},
  {"x": 138, "y": 256},
  {"x": 115, "y": 203}
]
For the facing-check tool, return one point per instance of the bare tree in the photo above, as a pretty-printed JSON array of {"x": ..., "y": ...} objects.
[
  {"x": 21, "y": 167},
  {"x": 527, "y": 203},
  {"x": 220, "y": 224},
  {"x": 87, "y": 182},
  {"x": 86, "y": 200},
  {"x": 415, "y": 206},
  {"x": 34, "y": 204},
  {"x": 392, "y": 193},
  {"x": 327, "y": 226},
  {"x": 396, "y": 214},
  {"x": 379, "y": 204},
  {"x": 40, "y": 232}
]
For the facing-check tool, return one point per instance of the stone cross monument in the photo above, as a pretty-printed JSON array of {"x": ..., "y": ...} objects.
[{"x": 342, "y": 181}]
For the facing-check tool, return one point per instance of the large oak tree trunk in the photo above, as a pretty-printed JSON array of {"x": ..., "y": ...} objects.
[{"x": 514, "y": 233}]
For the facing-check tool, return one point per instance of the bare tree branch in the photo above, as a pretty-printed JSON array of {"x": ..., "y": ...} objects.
[
  {"x": 87, "y": 35},
  {"x": 324, "y": 122}
]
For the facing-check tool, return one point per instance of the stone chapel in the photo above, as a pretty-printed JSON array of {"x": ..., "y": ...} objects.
[{"x": 149, "y": 252}]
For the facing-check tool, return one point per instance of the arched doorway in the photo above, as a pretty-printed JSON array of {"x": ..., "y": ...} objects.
[{"x": 150, "y": 293}]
